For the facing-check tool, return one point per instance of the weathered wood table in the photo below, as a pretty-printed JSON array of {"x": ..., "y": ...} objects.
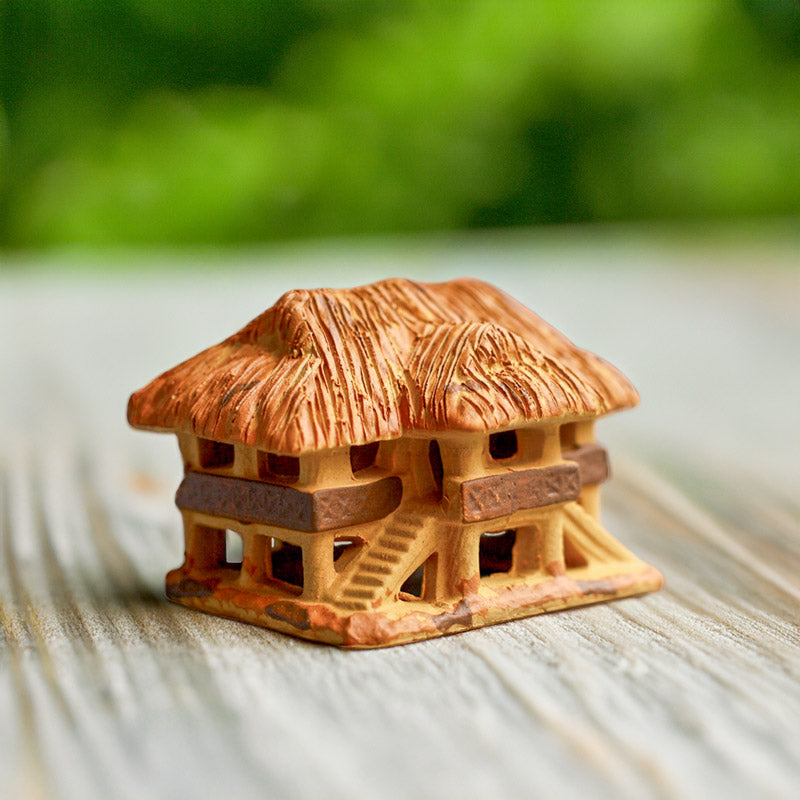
[{"x": 108, "y": 691}]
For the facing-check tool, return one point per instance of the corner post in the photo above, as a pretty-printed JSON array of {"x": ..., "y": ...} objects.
[
  {"x": 318, "y": 570},
  {"x": 253, "y": 558},
  {"x": 552, "y": 527}
]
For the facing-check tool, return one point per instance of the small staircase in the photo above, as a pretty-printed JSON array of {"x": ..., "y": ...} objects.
[
  {"x": 591, "y": 538},
  {"x": 403, "y": 544}
]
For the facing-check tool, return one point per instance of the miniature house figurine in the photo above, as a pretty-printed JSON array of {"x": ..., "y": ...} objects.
[{"x": 396, "y": 462}]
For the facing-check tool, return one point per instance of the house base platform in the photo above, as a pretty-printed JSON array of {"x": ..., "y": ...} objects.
[{"x": 408, "y": 619}]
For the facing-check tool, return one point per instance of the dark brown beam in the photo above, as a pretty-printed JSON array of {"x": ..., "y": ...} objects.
[
  {"x": 592, "y": 461},
  {"x": 284, "y": 506},
  {"x": 500, "y": 495}
]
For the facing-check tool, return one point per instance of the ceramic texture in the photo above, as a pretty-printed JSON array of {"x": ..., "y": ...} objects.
[{"x": 395, "y": 462}]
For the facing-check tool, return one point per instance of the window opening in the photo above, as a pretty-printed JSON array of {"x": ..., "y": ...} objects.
[
  {"x": 287, "y": 564},
  {"x": 412, "y": 586},
  {"x": 503, "y": 445},
  {"x": 363, "y": 455},
  {"x": 495, "y": 552},
  {"x": 435, "y": 458},
  {"x": 567, "y": 434},
  {"x": 215, "y": 454},
  {"x": 234, "y": 549},
  {"x": 280, "y": 468}
]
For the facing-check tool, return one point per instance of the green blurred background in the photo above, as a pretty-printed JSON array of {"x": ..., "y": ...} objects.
[{"x": 161, "y": 122}]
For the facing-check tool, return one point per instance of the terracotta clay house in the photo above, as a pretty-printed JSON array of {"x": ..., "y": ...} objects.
[{"x": 389, "y": 463}]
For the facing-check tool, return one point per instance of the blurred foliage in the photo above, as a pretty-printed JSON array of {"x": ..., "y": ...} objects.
[{"x": 157, "y": 121}]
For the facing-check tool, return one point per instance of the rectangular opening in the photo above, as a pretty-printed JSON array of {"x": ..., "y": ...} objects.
[
  {"x": 495, "y": 553},
  {"x": 421, "y": 583},
  {"x": 345, "y": 549},
  {"x": 503, "y": 445},
  {"x": 233, "y": 549},
  {"x": 283, "y": 469},
  {"x": 568, "y": 435},
  {"x": 215, "y": 454},
  {"x": 363, "y": 455},
  {"x": 287, "y": 565},
  {"x": 573, "y": 557}
]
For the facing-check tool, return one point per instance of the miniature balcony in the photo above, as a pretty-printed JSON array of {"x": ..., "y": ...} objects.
[
  {"x": 503, "y": 494},
  {"x": 497, "y": 476},
  {"x": 285, "y": 506},
  {"x": 316, "y": 492}
]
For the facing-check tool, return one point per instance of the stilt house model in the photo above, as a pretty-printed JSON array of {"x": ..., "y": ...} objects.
[{"x": 394, "y": 462}]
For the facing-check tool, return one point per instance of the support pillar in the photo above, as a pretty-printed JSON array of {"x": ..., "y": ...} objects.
[
  {"x": 463, "y": 457},
  {"x": 530, "y": 444},
  {"x": 395, "y": 456},
  {"x": 527, "y": 550},
  {"x": 432, "y": 578},
  {"x": 329, "y": 467},
  {"x": 551, "y": 448},
  {"x": 318, "y": 570},
  {"x": 552, "y": 527},
  {"x": 190, "y": 451},
  {"x": 423, "y": 483},
  {"x": 584, "y": 432},
  {"x": 590, "y": 500},
  {"x": 246, "y": 462},
  {"x": 461, "y": 568},
  {"x": 254, "y": 568}
]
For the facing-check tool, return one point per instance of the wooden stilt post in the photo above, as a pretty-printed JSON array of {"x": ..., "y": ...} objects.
[
  {"x": 553, "y": 543},
  {"x": 590, "y": 500},
  {"x": 530, "y": 444},
  {"x": 318, "y": 571},
  {"x": 253, "y": 558},
  {"x": 460, "y": 568},
  {"x": 551, "y": 450},
  {"x": 527, "y": 550}
]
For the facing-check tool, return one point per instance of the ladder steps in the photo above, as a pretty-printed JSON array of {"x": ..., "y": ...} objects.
[
  {"x": 364, "y": 594},
  {"x": 365, "y": 580},
  {"x": 385, "y": 557},
  {"x": 354, "y": 605},
  {"x": 393, "y": 544},
  {"x": 403, "y": 533},
  {"x": 379, "y": 568}
]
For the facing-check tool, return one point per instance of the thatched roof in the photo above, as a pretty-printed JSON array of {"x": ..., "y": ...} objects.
[{"x": 332, "y": 367}]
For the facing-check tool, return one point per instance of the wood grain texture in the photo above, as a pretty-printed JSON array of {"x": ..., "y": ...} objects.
[{"x": 106, "y": 690}]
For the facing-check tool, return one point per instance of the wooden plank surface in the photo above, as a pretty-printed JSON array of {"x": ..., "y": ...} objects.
[{"x": 107, "y": 690}]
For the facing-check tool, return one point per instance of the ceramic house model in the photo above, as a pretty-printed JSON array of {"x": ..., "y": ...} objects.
[{"x": 395, "y": 462}]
